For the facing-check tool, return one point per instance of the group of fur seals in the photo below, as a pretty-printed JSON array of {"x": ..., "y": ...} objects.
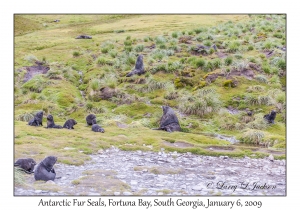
[
  {"x": 43, "y": 171},
  {"x": 91, "y": 120},
  {"x": 38, "y": 119}
]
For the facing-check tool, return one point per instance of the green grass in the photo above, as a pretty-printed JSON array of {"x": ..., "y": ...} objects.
[{"x": 174, "y": 76}]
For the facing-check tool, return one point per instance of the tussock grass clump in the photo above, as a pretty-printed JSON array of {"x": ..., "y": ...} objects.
[
  {"x": 171, "y": 92},
  {"x": 36, "y": 84},
  {"x": 109, "y": 80},
  {"x": 19, "y": 177},
  {"x": 199, "y": 63},
  {"x": 152, "y": 84},
  {"x": 251, "y": 99},
  {"x": 139, "y": 48},
  {"x": 95, "y": 84},
  {"x": 25, "y": 117},
  {"x": 225, "y": 120},
  {"x": 30, "y": 58},
  {"x": 76, "y": 53},
  {"x": 107, "y": 46},
  {"x": 240, "y": 65},
  {"x": 113, "y": 53},
  {"x": 102, "y": 61},
  {"x": 160, "y": 40},
  {"x": 233, "y": 47},
  {"x": 228, "y": 61},
  {"x": 255, "y": 88},
  {"x": 265, "y": 100},
  {"x": 259, "y": 123},
  {"x": 175, "y": 34},
  {"x": 261, "y": 78},
  {"x": 201, "y": 103},
  {"x": 253, "y": 136}
]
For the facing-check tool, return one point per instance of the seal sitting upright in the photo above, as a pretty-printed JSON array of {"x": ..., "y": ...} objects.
[
  {"x": 45, "y": 171},
  {"x": 91, "y": 119},
  {"x": 37, "y": 120},
  {"x": 69, "y": 124},
  {"x": 139, "y": 67},
  {"x": 50, "y": 122},
  {"x": 169, "y": 121},
  {"x": 270, "y": 117}
]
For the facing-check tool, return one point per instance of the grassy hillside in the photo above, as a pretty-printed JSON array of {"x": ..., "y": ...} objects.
[{"x": 210, "y": 90}]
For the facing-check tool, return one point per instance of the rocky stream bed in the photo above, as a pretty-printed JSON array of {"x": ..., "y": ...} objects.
[{"x": 116, "y": 172}]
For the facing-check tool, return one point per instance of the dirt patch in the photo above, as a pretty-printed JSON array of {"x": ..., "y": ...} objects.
[
  {"x": 221, "y": 54},
  {"x": 249, "y": 74},
  {"x": 178, "y": 144},
  {"x": 220, "y": 148},
  {"x": 34, "y": 70}
]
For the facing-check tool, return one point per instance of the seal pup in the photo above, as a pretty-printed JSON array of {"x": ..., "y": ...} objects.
[
  {"x": 44, "y": 170},
  {"x": 37, "y": 120}
]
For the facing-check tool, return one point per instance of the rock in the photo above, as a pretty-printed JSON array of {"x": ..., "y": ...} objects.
[
  {"x": 160, "y": 193},
  {"x": 37, "y": 191},
  {"x": 248, "y": 165},
  {"x": 271, "y": 158},
  {"x": 50, "y": 182},
  {"x": 133, "y": 182},
  {"x": 117, "y": 193},
  {"x": 209, "y": 176},
  {"x": 183, "y": 186},
  {"x": 127, "y": 193},
  {"x": 197, "y": 188}
]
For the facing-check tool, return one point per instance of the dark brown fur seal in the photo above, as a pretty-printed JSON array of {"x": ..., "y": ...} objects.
[
  {"x": 50, "y": 122},
  {"x": 45, "y": 171},
  {"x": 69, "y": 124},
  {"x": 27, "y": 164},
  {"x": 169, "y": 121},
  {"x": 270, "y": 117},
  {"x": 139, "y": 67},
  {"x": 91, "y": 119},
  {"x": 37, "y": 120},
  {"x": 97, "y": 128}
]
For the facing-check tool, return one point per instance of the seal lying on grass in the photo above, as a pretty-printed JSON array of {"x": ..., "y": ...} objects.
[
  {"x": 45, "y": 171},
  {"x": 26, "y": 164},
  {"x": 83, "y": 37},
  {"x": 97, "y": 128},
  {"x": 50, "y": 122},
  {"x": 37, "y": 120},
  {"x": 169, "y": 121}
]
